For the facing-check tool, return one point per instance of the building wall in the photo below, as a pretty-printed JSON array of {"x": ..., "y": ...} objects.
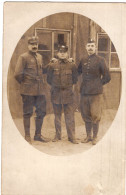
[{"x": 80, "y": 31}]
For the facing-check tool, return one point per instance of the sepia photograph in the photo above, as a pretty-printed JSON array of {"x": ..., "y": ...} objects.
[
  {"x": 63, "y": 128},
  {"x": 64, "y": 84}
]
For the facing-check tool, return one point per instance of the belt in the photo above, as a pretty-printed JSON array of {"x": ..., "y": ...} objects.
[
  {"x": 38, "y": 78},
  {"x": 31, "y": 77},
  {"x": 62, "y": 88}
]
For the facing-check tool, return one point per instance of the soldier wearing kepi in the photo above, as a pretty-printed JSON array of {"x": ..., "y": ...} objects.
[
  {"x": 95, "y": 74},
  {"x": 29, "y": 73},
  {"x": 62, "y": 75}
]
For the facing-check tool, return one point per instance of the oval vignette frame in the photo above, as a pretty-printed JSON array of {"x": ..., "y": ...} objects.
[{"x": 56, "y": 28}]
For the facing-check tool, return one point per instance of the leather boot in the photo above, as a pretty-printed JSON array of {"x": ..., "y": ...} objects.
[
  {"x": 88, "y": 131},
  {"x": 38, "y": 136},
  {"x": 73, "y": 140},
  {"x": 56, "y": 138},
  {"x": 95, "y": 132},
  {"x": 27, "y": 129}
]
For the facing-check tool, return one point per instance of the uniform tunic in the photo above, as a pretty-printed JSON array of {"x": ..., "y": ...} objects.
[
  {"x": 95, "y": 74},
  {"x": 29, "y": 73},
  {"x": 61, "y": 76}
]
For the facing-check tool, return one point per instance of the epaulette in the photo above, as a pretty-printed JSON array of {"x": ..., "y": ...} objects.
[
  {"x": 53, "y": 60},
  {"x": 70, "y": 60}
]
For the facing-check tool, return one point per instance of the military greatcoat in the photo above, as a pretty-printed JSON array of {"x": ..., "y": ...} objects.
[{"x": 29, "y": 73}]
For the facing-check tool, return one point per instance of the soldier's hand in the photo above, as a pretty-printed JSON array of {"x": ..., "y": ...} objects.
[
  {"x": 53, "y": 60},
  {"x": 70, "y": 60}
]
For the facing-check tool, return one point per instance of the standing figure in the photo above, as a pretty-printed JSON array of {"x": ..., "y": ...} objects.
[
  {"x": 29, "y": 73},
  {"x": 95, "y": 74},
  {"x": 62, "y": 75}
]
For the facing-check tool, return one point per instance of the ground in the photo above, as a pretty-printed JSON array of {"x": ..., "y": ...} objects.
[{"x": 64, "y": 147}]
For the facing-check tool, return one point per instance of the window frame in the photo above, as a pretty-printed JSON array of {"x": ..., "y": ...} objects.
[
  {"x": 109, "y": 52},
  {"x": 53, "y": 31}
]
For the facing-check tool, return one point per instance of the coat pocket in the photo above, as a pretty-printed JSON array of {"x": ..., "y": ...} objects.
[{"x": 56, "y": 72}]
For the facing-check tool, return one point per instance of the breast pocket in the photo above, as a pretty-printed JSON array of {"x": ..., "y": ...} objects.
[{"x": 31, "y": 67}]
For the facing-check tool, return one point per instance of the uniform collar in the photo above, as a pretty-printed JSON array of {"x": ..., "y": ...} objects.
[
  {"x": 92, "y": 55},
  {"x": 63, "y": 61},
  {"x": 33, "y": 53}
]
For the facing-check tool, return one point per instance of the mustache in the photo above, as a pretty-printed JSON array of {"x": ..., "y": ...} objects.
[
  {"x": 34, "y": 48},
  {"x": 90, "y": 50}
]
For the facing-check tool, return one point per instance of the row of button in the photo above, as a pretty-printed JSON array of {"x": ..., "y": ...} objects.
[{"x": 88, "y": 66}]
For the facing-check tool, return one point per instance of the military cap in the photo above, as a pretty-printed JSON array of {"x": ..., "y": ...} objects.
[
  {"x": 90, "y": 40},
  {"x": 63, "y": 48},
  {"x": 32, "y": 40}
]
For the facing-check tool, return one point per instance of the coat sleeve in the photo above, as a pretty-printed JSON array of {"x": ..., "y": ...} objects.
[
  {"x": 19, "y": 70},
  {"x": 80, "y": 68},
  {"x": 49, "y": 73},
  {"x": 74, "y": 74},
  {"x": 105, "y": 72},
  {"x": 44, "y": 67}
]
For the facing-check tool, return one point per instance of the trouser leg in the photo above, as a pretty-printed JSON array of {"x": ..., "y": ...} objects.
[
  {"x": 26, "y": 122},
  {"x": 86, "y": 115},
  {"x": 70, "y": 122},
  {"x": 96, "y": 107},
  {"x": 28, "y": 102},
  {"x": 38, "y": 125},
  {"x": 96, "y": 111},
  {"x": 95, "y": 133},
  {"x": 58, "y": 112},
  {"x": 95, "y": 130},
  {"x": 88, "y": 129},
  {"x": 85, "y": 109},
  {"x": 40, "y": 104}
]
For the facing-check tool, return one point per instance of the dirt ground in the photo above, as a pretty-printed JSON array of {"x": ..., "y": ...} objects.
[{"x": 64, "y": 147}]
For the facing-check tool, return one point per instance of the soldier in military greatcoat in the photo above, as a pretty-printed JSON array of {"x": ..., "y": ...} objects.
[
  {"x": 62, "y": 75},
  {"x": 29, "y": 74}
]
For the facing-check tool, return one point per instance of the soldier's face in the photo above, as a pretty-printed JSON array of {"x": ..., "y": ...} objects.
[
  {"x": 91, "y": 48},
  {"x": 33, "y": 47},
  {"x": 62, "y": 55}
]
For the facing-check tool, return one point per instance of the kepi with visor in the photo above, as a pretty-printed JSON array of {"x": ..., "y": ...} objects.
[
  {"x": 63, "y": 48},
  {"x": 33, "y": 40}
]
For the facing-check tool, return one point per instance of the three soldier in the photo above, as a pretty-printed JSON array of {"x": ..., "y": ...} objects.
[{"x": 62, "y": 74}]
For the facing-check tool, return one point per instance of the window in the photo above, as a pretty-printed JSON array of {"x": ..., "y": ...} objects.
[
  {"x": 106, "y": 49},
  {"x": 50, "y": 39}
]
